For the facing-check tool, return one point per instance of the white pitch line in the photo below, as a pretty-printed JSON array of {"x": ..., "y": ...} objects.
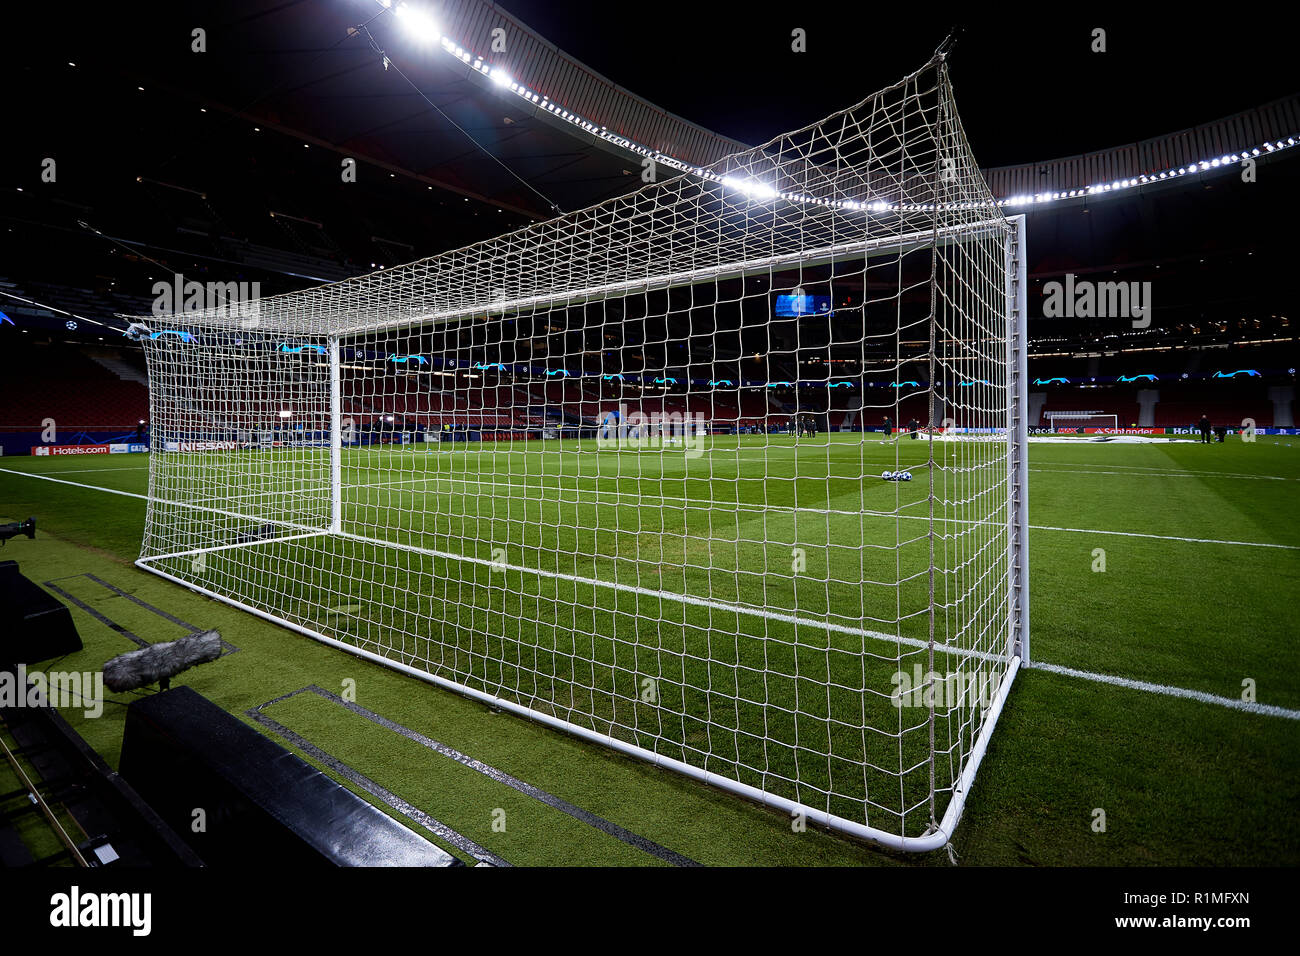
[
  {"x": 94, "y": 471},
  {"x": 1250, "y": 707},
  {"x": 75, "y": 484},
  {"x": 767, "y": 450},
  {"x": 785, "y": 508},
  {"x": 765, "y": 508},
  {"x": 1170, "y": 537},
  {"x": 176, "y": 504},
  {"x": 830, "y": 626},
  {"x": 833, "y": 627},
  {"x": 1145, "y": 473},
  {"x": 1162, "y": 474},
  {"x": 1153, "y": 470}
]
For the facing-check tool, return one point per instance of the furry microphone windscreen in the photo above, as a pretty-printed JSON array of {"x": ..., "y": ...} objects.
[{"x": 151, "y": 664}]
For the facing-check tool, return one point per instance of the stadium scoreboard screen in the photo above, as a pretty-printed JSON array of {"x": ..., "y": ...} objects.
[{"x": 790, "y": 306}]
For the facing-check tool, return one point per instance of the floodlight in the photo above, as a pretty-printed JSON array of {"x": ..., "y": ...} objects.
[{"x": 418, "y": 23}]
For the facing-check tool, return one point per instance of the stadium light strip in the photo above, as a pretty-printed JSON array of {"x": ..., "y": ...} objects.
[
  {"x": 1172, "y": 173},
  {"x": 422, "y": 27}
]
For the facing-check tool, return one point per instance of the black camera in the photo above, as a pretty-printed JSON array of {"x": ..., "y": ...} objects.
[{"x": 14, "y": 528}]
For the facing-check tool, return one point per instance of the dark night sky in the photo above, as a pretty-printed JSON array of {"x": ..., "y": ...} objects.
[{"x": 1027, "y": 84}]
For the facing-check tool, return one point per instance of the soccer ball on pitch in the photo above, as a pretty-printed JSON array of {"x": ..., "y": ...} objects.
[{"x": 887, "y": 475}]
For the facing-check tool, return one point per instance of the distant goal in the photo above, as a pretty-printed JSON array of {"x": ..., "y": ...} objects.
[{"x": 1081, "y": 421}]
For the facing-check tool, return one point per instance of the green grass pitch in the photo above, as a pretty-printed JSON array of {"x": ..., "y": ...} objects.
[{"x": 1202, "y": 560}]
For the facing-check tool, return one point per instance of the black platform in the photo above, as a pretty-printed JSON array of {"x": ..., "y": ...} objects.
[
  {"x": 34, "y": 625},
  {"x": 262, "y": 804},
  {"x": 123, "y": 830}
]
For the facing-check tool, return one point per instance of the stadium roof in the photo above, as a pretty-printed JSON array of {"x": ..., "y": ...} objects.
[
  {"x": 343, "y": 75},
  {"x": 488, "y": 108},
  {"x": 305, "y": 69},
  {"x": 889, "y": 173}
]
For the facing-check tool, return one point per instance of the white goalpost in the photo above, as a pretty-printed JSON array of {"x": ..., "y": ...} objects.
[
  {"x": 621, "y": 472},
  {"x": 1081, "y": 420}
]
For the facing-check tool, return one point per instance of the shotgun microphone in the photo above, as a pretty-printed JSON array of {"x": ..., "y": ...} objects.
[{"x": 159, "y": 663}]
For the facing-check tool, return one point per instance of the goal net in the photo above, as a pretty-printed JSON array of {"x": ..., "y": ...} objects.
[
  {"x": 627, "y": 472},
  {"x": 1081, "y": 421}
]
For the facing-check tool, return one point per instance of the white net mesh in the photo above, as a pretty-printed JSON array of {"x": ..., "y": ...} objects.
[{"x": 625, "y": 469}]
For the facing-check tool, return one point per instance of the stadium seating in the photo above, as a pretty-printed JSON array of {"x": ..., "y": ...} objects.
[{"x": 64, "y": 383}]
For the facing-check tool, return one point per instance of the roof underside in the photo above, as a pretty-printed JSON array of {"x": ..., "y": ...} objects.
[{"x": 894, "y": 169}]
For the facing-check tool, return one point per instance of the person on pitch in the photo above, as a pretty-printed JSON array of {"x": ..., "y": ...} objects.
[{"x": 1204, "y": 426}]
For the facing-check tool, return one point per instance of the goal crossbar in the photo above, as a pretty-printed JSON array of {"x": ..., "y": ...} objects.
[{"x": 894, "y": 244}]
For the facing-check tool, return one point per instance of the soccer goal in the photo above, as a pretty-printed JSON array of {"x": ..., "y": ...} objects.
[
  {"x": 1081, "y": 420},
  {"x": 621, "y": 472}
]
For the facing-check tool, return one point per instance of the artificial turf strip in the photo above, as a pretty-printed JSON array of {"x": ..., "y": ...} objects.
[
  {"x": 505, "y": 821},
  {"x": 1180, "y": 781}
]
